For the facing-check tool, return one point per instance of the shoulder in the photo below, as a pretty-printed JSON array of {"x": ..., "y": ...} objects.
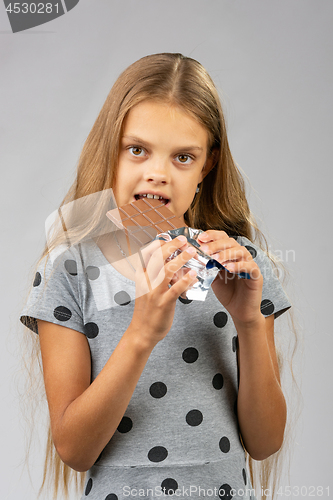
[{"x": 70, "y": 260}]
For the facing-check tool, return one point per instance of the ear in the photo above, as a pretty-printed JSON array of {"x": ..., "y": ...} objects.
[{"x": 209, "y": 165}]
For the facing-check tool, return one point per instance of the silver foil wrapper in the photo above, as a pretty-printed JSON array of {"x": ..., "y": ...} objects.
[{"x": 206, "y": 267}]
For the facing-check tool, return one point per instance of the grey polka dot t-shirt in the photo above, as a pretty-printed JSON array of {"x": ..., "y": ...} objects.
[{"x": 179, "y": 435}]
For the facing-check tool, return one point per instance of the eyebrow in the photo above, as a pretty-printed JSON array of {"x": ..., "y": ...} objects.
[{"x": 145, "y": 143}]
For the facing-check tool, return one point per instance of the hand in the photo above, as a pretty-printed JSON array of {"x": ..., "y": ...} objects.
[
  {"x": 180, "y": 273},
  {"x": 155, "y": 301},
  {"x": 241, "y": 297}
]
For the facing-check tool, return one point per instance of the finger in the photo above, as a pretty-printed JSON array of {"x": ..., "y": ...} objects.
[
  {"x": 180, "y": 243},
  {"x": 168, "y": 247},
  {"x": 234, "y": 254},
  {"x": 219, "y": 244},
  {"x": 212, "y": 235},
  {"x": 248, "y": 267},
  {"x": 166, "y": 274},
  {"x": 176, "y": 264},
  {"x": 153, "y": 258},
  {"x": 161, "y": 254},
  {"x": 182, "y": 285},
  {"x": 179, "y": 274}
]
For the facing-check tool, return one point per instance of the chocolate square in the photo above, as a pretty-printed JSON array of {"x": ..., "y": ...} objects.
[{"x": 144, "y": 219}]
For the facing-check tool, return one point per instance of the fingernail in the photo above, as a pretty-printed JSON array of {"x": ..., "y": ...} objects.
[
  {"x": 192, "y": 273},
  {"x": 182, "y": 238},
  {"x": 191, "y": 250},
  {"x": 204, "y": 248}
]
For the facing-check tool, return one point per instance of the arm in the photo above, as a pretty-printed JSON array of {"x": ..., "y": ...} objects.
[
  {"x": 84, "y": 415},
  {"x": 261, "y": 405}
]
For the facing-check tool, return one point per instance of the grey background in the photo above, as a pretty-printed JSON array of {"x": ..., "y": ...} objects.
[{"x": 272, "y": 61}]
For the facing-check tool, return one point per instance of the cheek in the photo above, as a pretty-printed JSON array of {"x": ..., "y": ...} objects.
[{"x": 116, "y": 188}]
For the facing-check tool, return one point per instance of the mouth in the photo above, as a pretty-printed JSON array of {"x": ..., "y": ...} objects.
[{"x": 166, "y": 201}]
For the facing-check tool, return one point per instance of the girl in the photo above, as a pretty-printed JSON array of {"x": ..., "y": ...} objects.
[{"x": 149, "y": 392}]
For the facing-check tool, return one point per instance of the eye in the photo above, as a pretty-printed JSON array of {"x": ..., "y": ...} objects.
[
  {"x": 185, "y": 159},
  {"x": 136, "y": 151}
]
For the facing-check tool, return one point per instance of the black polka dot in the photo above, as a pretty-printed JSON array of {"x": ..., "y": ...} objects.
[
  {"x": 157, "y": 454},
  {"x": 158, "y": 390},
  {"x": 184, "y": 301},
  {"x": 71, "y": 267},
  {"x": 218, "y": 381},
  {"x": 93, "y": 272},
  {"x": 244, "y": 476},
  {"x": 267, "y": 307},
  {"x": 190, "y": 355},
  {"x": 122, "y": 298},
  {"x": 252, "y": 251},
  {"x": 220, "y": 319},
  {"x": 62, "y": 313},
  {"x": 169, "y": 486},
  {"x": 224, "y": 444},
  {"x": 91, "y": 330},
  {"x": 125, "y": 425},
  {"x": 194, "y": 418},
  {"x": 88, "y": 487},
  {"x": 225, "y": 492},
  {"x": 111, "y": 496},
  {"x": 38, "y": 279},
  {"x": 234, "y": 343}
]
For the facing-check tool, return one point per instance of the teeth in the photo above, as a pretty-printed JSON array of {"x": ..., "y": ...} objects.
[{"x": 152, "y": 196}]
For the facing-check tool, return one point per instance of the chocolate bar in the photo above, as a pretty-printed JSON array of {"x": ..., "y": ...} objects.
[
  {"x": 142, "y": 220},
  {"x": 145, "y": 219}
]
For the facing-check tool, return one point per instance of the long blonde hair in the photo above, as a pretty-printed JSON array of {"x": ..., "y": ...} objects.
[{"x": 220, "y": 204}]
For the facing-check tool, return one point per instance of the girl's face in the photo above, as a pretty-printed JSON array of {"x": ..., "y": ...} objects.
[{"x": 163, "y": 152}]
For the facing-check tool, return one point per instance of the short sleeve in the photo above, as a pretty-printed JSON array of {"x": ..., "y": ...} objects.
[
  {"x": 54, "y": 294},
  {"x": 274, "y": 298}
]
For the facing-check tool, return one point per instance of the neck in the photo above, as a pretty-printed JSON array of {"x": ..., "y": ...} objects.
[{"x": 123, "y": 257}]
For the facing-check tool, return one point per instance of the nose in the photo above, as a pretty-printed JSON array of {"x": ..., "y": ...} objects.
[{"x": 157, "y": 172}]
